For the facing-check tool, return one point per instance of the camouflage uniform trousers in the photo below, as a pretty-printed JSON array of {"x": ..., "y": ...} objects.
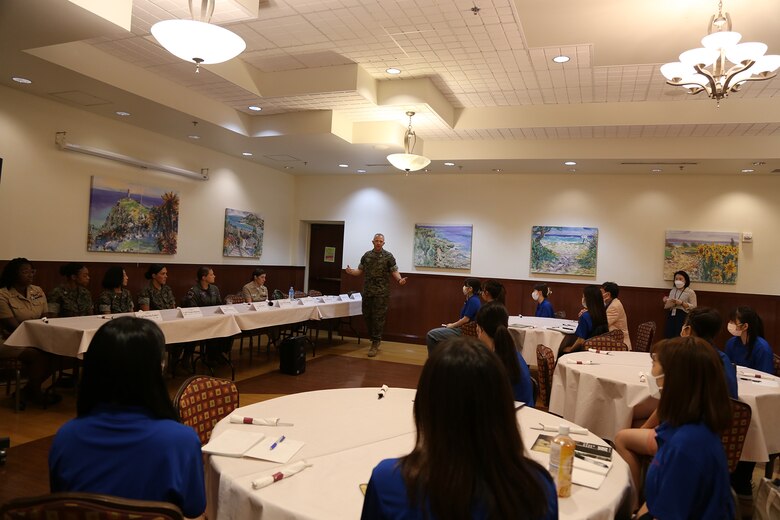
[{"x": 375, "y": 313}]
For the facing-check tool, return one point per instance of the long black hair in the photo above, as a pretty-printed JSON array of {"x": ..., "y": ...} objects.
[
  {"x": 594, "y": 302},
  {"x": 468, "y": 448},
  {"x": 493, "y": 318},
  {"x": 123, "y": 366},
  {"x": 748, "y": 316},
  {"x": 496, "y": 290}
]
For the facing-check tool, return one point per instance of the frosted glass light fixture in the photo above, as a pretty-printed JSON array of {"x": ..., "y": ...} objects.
[
  {"x": 408, "y": 161},
  {"x": 197, "y": 40},
  {"x": 722, "y": 65}
]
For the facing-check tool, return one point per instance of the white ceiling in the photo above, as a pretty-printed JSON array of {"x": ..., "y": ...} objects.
[{"x": 486, "y": 92}]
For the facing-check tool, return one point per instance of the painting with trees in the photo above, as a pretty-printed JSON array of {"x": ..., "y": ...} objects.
[
  {"x": 128, "y": 218},
  {"x": 447, "y": 247},
  {"x": 243, "y": 234},
  {"x": 707, "y": 256},
  {"x": 564, "y": 250}
]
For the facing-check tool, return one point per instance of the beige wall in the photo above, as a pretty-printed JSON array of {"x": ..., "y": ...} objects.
[
  {"x": 44, "y": 192},
  {"x": 631, "y": 213}
]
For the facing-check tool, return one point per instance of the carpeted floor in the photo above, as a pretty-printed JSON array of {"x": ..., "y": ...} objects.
[{"x": 327, "y": 371}]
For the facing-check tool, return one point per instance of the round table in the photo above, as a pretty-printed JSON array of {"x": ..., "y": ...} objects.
[
  {"x": 530, "y": 331},
  {"x": 346, "y": 433}
]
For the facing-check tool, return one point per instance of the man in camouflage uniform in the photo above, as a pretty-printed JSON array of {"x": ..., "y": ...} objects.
[{"x": 377, "y": 264}]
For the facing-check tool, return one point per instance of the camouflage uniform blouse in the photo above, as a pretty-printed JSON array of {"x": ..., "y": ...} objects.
[
  {"x": 65, "y": 302},
  {"x": 111, "y": 302},
  {"x": 197, "y": 297},
  {"x": 376, "y": 267},
  {"x": 157, "y": 300}
]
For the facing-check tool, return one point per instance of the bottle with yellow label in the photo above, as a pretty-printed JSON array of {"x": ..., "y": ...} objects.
[{"x": 562, "y": 460}]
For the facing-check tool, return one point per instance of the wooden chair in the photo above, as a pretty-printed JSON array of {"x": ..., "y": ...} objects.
[
  {"x": 770, "y": 465},
  {"x": 314, "y": 294},
  {"x": 644, "y": 336},
  {"x": 611, "y": 341},
  {"x": 545, "y": 363},
  {"x": 202, "y": 401},
  {"x": 733, "y": 438},
  {"x": 87, "y": 506},
  {"x": 561, "y": 315},
  {"x": 469, "y": 329},
  {"x": 535, "y": 389}
]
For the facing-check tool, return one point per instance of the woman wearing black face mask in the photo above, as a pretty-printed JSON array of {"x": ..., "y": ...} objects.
[{"x": 681, "y": 299}]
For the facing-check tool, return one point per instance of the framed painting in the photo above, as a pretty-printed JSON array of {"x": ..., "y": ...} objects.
[
  {"x": 129, "y": 218},
  {"x": 707, "y": 256},
  {"x": 243, "y": 234},
  {"x": 446, "y": 247},
  {"x": 564, "y": 250}
]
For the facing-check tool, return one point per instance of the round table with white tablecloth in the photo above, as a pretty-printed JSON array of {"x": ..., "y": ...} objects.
[{"x": 529, "y": 331}]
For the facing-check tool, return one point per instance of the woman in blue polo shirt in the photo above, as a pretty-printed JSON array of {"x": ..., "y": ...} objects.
[
  {"x": 471, "y": 290},
  {"x": 748, "y": 348},
  {"x": 127, "y": 440},
  {"x": 689, "y": 476},
  {"x": 544, "y": 308},
  {"x": 592, "y": 321}
]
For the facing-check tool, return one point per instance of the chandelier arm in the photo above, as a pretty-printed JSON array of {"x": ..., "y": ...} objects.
[{"x": 713, "y": 86}]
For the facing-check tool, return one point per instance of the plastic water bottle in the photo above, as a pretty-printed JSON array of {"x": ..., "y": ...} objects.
[
  {"x": 292, "y": 293},
  {"x": 562, "y": 461}
]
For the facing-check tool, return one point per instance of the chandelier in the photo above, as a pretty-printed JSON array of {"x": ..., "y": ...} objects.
[
  {"x": 197, "y": 40},
  {"x": 723, "y": 64},
  {"x": 408, "y": 161}
]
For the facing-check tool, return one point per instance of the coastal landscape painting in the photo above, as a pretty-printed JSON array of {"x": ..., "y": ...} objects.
[
  {"x": 446, "y": 247},
  {"x": 243, "y": 234},
  {"x": 564, "y": 250},
  {"x": 707, "y": 256},
  {"x": 128, "y": 218}
]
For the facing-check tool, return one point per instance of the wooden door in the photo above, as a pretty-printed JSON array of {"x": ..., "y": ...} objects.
[{"x": 326, "y": 248}]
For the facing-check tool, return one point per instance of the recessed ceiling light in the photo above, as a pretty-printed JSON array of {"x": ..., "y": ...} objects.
[
  {"x": 361, "y": 171},
  {"x": 656, "y": 170},
  {"x": 449, "y": 164},
  {"x": 561, "y": 59},
  {"x": 748, "y": 170},
  {"x": 343, "y": 165},
  {"x": 288, "y": 167},
  {"x": 255, "y": 108},
  {"x": 426, "y": 170},
  {"x": 393, "y": 70},
  {"x": 122, "y": 113},
  {"x": 570, "y": 163},
  {"x": 497, "y": 170},
  {"x": 193, "y": 136},
  {"x": 572, "y": 170},
  {"x": 23, "y": 81},
  {"x": 246, "y": 154}
]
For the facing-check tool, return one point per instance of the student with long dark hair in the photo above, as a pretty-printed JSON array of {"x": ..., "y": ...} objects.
[
  {"x": 468, "y": 461},
  {"x": 688, "y": 477},
  {"x": 492, "y": 330},
  {"x": 127, "y": 440},
  {"x": 592, "y": 320},
  {"x": 72, "y": 298},
  {"x": 747, "y": 347}
]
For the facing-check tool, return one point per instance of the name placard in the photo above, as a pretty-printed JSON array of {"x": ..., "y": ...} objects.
[
  {"x": 260, "y": 306},
  {"x": 189, "y": 313},
  {"x": 331, "y": 299},
  {"x": 344, "y": 297},
  {"x": 286, "y": 303},
  {"x": 356, "y": 296},
  {"x": 149, "y": 315},
  {"x": 228, "y": 309}
]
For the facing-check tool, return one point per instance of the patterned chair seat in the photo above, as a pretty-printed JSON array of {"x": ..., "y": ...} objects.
[
  {"x": 87, "y": 506},
  {"x": 202, "y": 401}
]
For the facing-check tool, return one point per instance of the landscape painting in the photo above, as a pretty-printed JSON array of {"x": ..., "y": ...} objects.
[
  {"x": 564, "y": 250},
  {"x": 128, "y": 218},
  {"x": 707, "y": 256},
  {"x": 446, "y": 247},
  {"x": 243, "y": 234}
]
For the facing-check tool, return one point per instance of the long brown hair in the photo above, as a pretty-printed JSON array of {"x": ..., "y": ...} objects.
[
  {"x": 694, "y": 389},
  {"x": 469, "y": 451}
]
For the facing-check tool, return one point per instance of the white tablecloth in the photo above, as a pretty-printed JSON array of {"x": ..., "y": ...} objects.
[
  {"x": 604, "y": 398},
  {"x": 529, "y": 331},
  {"x": 71, "y": 336},
  {"x": 347, "y": 432}
]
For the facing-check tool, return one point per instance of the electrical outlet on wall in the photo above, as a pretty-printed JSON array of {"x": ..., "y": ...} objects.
[{"x": 747, "y": 236}]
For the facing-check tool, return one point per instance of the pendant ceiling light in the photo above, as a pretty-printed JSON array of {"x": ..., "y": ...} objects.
[
  {"x": 723, "y": 64},
  {"x": 408, "y": 161},
  {"x": 197, "y": 40}
]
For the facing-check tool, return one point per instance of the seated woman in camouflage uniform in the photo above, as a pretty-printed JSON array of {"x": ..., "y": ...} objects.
[
  {"x": 157, "y": 295},
  {"x": 71, "y": 298},
  {"x": 204, "y": 293},
  {"x": 115, "y": 298}
]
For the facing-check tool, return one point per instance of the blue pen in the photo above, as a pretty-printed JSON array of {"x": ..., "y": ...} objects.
[{"x": 281, "y": 439}]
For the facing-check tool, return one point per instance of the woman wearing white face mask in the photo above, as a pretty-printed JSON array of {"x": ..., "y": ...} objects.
[
  {"x": 544, "y": 308},
  {"x": 471, "y": 289},
  {"x": 681, "y": 299},
  {"x": 688, "y": 477}
]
